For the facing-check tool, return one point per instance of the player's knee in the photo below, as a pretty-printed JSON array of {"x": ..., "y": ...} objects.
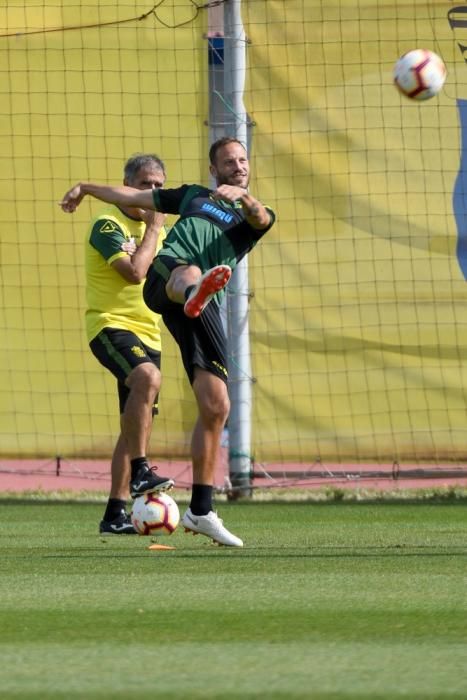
[
  {"x": 181, "y": 278},
  {"x": 145, "y": 377},
  {"x": 215, "y": 408}
]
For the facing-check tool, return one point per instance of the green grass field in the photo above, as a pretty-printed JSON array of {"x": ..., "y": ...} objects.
[{"x": 325, "y": 601}]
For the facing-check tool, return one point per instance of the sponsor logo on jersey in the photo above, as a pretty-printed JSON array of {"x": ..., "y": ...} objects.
[{"x": 218, "y": 213}]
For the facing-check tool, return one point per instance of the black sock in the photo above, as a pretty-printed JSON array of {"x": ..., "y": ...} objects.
[
  {"x": 201, "y": 499},
  {"x": 188, "y": 291},
  {"x": 114, "y": 507},
  {"x": 136, "y": 465}
]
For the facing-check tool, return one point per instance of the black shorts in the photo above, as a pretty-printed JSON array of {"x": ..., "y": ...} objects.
[
  {"x": 201, "y": 340},
  {"x": 115, "y": 350}
]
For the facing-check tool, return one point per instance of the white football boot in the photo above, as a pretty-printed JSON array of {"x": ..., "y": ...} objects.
[{"x": 211, "y": 526}]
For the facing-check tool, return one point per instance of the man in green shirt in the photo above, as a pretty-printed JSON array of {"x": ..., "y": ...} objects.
[{"x": 216, "y": 229}]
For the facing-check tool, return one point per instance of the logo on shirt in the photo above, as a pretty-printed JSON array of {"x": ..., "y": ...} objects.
[
  {"x": 136, "y": 350},
  {"x": 218, "y": 213},
  {"x": 108, "y": 227},
  {"x": 220, "y": 367}
]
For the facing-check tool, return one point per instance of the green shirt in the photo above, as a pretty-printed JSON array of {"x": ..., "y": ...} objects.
[{"x": 208, "y": 232}]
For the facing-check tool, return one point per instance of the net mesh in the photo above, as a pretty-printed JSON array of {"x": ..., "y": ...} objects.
[{"x": 358, "y": 295}]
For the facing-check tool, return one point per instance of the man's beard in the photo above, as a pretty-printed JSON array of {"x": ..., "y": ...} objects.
[{"x": 232, "y": 180}]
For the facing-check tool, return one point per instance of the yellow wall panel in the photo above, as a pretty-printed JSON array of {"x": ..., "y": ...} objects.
[
  {"x": 75, "y": 105},
  {"x": 380, "y": 298},
  {"x": 359, "y": 315}
]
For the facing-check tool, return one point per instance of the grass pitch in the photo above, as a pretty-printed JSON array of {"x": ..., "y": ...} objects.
[{"x": 324, "y": 602}]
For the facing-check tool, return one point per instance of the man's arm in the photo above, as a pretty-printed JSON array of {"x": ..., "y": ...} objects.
[
  {"x": 256, "y": 213},
  {"x": 122, "y": 196},
  {"x": 134, "y": 268}
]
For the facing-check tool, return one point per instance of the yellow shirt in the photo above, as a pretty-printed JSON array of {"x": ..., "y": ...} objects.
[{"x": 111, "y": 301}]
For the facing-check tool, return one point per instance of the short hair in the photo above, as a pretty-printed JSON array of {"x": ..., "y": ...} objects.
[
  {"x": 140, "y": 160},
  {"x": 220, "y": 143}
]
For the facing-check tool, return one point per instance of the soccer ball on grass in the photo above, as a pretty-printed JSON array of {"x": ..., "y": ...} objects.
[
  {"x": 419, "y": 74},
  {"x": 155, "y": 514}
]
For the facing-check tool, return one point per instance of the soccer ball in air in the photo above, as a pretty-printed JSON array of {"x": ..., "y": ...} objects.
[
  {"x": 419, "y": 74},
  {"x": 155, "y": 514}
]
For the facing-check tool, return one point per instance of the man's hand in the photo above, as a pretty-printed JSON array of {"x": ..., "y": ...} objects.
[
  {"x": 129, "y": 246},
  {"x": 255, "y": 213},
  {"x": 134, "y": 267},
  {"x": 72, "y": 199},
  {"x": 153, "y": 218},
  {"x": 122, "y": 196},
  {"x": 229, "y": 193}
]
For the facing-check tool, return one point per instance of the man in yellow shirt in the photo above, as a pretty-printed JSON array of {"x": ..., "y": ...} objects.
[{"x": 124, "y": 334}]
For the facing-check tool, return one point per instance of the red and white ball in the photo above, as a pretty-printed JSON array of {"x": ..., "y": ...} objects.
[
  {"x": 419, "y": 74},
  {"x": 155, "y": 514}
]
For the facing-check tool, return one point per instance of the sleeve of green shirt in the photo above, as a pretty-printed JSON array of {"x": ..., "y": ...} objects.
[
  {"x": 171, "y": 201},
  {"x": 107, "y": 238}
]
